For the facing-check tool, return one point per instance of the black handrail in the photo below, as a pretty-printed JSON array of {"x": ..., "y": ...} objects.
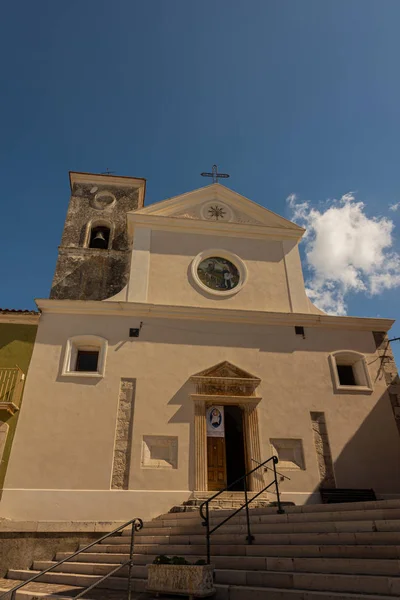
[
  {"x": 269, "y": 469},
  {"x": 137, "y": 524},
  {"x": 250, "y": 537}
]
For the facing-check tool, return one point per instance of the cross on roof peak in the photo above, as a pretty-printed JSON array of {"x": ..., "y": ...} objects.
[{"x": 215, "y": 175}]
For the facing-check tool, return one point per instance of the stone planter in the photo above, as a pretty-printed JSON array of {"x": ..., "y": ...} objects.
[{"x": 195, "y": 581}]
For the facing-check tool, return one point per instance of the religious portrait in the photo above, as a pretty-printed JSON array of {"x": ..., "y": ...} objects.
[
  {"x": 215, "y": 417},
  {"x": 218, "y": 273}
]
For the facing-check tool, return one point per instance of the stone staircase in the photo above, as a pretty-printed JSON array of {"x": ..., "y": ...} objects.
[
  {"x": 312, "y": 552},
  {"x": 227, "y": 500}
]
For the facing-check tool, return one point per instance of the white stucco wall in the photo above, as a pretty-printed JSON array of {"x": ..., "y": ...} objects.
[{"x": 61, "y": 463}]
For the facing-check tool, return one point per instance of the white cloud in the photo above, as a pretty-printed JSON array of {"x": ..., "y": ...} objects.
[
  {"x": 346, "y": 251},
  {"x": 394, "y": 207}
]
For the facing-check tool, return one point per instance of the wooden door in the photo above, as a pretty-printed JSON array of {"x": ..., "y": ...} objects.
[{"x": 216, "y": 463}]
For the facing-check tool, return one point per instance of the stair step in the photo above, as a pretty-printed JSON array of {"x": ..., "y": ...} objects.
[
  {"x": 93, "y": 568},
  {"x": 99, "y": 557},
  {"x": 305, "y": 508},
  {"x": 261, "y": 516},
  {"x": 365, "y": 584},
  {"x": 241, "y": 528},
  {"x": 38, "y": 590},
  {"x": 354, "y": 566},
  {"x": 224, "y": 592},
  {"x": 234, "y": 592},
  {"x": 291, "y": 551},
  {"x": 363, "y": 537},
  {"x": 283, "y": 579},
  {"x": 78, "y": 580},
  {"x": 355, "y": 550}
]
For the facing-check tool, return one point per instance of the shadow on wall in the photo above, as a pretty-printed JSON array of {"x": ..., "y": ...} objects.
[
  {"x": 370, "y": 459},
  {"x": 185, "y": 414},
  {"x": 264, "y": 338},
  {"x": 97, "y": 278}
]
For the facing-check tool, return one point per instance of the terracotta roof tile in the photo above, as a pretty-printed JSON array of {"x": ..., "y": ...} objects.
[{"x": 5, "y": 311}]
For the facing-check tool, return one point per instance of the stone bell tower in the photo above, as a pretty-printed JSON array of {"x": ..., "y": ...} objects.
[{"x": 93, "y": 258}]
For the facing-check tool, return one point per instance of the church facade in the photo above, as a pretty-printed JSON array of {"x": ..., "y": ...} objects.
[{"x": 178, "y": 350}]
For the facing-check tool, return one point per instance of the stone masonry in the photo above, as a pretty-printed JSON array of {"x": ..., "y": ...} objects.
[
  {"x": 84, "y": 273},
  {"x": 123, "y": 436},
  {"x": 389, "y": 370},
  {"x": 323, "y": 450}
]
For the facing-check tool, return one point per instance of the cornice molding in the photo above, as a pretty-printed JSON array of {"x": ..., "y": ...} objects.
[
  {"x": 231, "y": 229},
  {"x": 138, "y": 183},
  {"x": 226, "y": 315},
  {"x": 225, "y": 399}
]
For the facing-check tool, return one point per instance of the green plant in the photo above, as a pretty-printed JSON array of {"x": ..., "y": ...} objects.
[
  {"x": 179, "y": 560},
  {"x": 162, "y": 559}
]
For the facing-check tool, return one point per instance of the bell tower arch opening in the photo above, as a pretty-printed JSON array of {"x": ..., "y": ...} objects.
[{"x": 99, "y": 237}]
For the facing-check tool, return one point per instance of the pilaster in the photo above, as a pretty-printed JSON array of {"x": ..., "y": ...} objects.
[
  {"x": 253, "y": 449},
  {"x": 200, "y": 440}
]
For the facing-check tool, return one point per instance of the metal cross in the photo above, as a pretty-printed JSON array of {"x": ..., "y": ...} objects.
[
  {"x": 215, "y": 175},
  {"x": 107, "y": 172}
]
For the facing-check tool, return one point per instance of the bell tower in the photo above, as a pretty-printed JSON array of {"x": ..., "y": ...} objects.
[{"x": 93, "y": 258}]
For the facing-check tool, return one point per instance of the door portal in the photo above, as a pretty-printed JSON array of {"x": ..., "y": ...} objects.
[
  {"x": 226, "y": 455},
  {"x": 234, "y": 442}
]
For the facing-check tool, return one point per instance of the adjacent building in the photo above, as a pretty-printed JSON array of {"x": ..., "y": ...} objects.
[{"x": 17, "y": 337}]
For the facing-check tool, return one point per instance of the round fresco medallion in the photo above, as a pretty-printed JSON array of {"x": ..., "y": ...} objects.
[{"x": 218, "y": 273}]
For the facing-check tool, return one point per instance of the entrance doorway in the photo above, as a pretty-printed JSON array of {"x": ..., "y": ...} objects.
[{"x": 226, "y": 455}]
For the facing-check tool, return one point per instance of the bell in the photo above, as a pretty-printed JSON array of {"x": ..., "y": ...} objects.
[
  {"x": 99, "y": 241},
  {"x": 99, "y": 236}
]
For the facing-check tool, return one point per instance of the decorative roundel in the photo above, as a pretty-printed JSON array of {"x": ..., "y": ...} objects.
[
  {"x": 219, "y": 272},
  {"x": 216, "y": 211},
  {"x": 103, "y": 200}
]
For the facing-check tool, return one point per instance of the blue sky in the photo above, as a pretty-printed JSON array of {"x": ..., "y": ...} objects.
[{"x": 288, "y": 96}]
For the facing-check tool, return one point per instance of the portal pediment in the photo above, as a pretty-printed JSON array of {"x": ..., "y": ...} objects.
[
  {"x": 225, "y": 379},
  {"x": 225, "y": 370}
]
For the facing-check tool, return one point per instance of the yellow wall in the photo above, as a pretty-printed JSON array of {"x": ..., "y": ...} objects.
[{"x": 16, "y": 346}]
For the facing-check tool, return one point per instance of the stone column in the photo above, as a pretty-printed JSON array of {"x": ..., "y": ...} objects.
[
  {"x": 253, "y": 450},
  {"x": 200, "y": 441}
]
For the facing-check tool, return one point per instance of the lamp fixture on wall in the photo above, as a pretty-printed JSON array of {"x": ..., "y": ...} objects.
[{"x": 134, "y": 332}]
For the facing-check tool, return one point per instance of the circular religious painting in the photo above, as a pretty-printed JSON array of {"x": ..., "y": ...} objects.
[{"x": 218, "y": 273}]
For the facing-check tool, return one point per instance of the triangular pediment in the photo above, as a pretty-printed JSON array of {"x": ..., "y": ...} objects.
[
  {"x": 225, "y": 370},
  {"x": 217, "y": 203}
]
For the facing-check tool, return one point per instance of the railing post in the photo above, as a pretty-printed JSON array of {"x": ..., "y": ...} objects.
[
  {"x": 208, "y": 534},
  {"x": 280, "y": 509},
  {"x": 249, "y": 537},
  {"x": 131, "y": 561}
]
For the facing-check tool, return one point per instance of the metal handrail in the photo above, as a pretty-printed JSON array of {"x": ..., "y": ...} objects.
[
  {"x": 269, "y": 469},
  {"x": 206, "y": 503},
  {"x": 137, "y": 524}
]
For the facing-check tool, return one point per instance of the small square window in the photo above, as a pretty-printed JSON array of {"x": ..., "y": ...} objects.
[
  {"x": 346, "y": 375},
  {"x": 87, "y": 360},
  {"x": 349, "y": 371},
  {"x": 85, "y": 356}
]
